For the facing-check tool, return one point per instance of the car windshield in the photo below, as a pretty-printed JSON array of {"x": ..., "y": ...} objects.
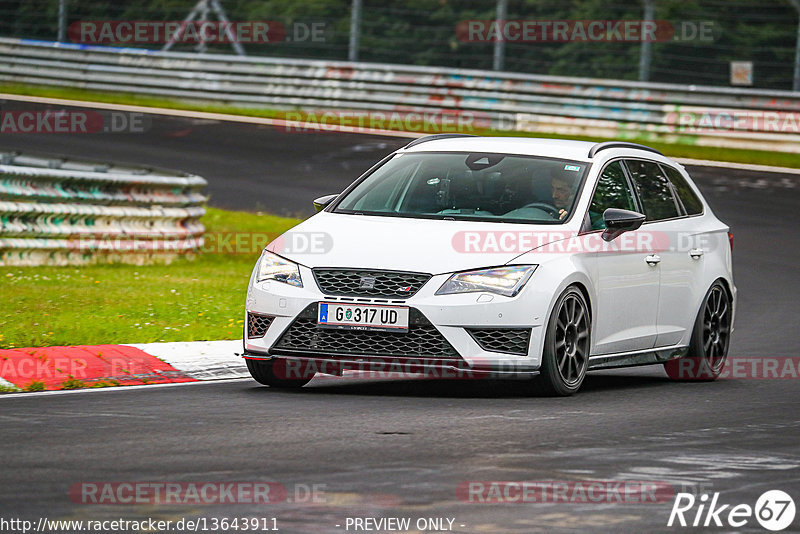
[{"x": 473, "y": 186}]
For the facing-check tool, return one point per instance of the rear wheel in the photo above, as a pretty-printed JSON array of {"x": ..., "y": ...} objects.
[
  {"x": 708, "y": 348},
  {"x": 566, "y": 346},
  {"x": 274, "y": 373}
]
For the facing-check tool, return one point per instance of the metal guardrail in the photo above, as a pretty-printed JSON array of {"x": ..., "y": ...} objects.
[
  {"x": 58, "y": 212},
  {"x": 723, "y": 117}
]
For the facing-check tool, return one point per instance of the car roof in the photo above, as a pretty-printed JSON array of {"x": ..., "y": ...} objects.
[{"x": 528, "y": 146}]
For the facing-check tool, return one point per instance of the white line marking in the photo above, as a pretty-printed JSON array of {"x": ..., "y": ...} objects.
[
  {"x": 4, "y": 396},
  {"x": 742, "y": 166},
  {"x": 207, "y": 115},
  {"x": 328, "y": 127}
]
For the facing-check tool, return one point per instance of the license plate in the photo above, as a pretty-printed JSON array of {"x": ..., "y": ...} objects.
[{"x": 362, "y": 317}]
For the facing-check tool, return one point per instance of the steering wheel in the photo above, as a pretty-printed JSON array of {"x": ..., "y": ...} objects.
[{"x": 549, "y": 208}]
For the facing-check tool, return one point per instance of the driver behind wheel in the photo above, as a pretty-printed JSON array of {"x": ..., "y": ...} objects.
[{"x": 561, "y": 190}]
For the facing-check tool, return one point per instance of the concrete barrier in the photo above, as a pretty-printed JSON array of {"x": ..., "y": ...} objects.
[{"x": 65, "y": 212}]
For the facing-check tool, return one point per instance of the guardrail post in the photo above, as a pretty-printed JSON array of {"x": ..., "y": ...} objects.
[
  {"x": 223, "y": 18},
  {"x": 200, "y": 12},
  {"x": 646, "y": 50},
  {"x": 189, "y": 18},
  {"x": 62, "y": 21},
  {"x": 500, "y": 42},
  {"x": 355, "y": 30},
  {"x": 796, "y": 83}
]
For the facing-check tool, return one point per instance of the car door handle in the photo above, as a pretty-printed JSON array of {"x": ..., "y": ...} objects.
[
  {"x": 653, "y": 260},
  {"x": 696, "y": 253}
]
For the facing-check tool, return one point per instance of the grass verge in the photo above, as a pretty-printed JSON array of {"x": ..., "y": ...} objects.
[
  {"x": 186, "y": 300},
  {"x": 678, "y": 149}
]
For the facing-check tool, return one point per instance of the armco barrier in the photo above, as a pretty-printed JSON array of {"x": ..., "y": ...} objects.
[
  {"x": 58, "y": 212},
  {"x": 710, "y": 116}
]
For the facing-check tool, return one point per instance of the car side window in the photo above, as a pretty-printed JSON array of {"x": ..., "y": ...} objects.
[
  {"x": 612, "y": 192},
  {"x": 691, "y": 203},
  {"x": 655, "y": 191}
]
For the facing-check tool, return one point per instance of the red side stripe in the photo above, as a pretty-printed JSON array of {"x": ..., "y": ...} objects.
[{"x": 57, "y": 367}]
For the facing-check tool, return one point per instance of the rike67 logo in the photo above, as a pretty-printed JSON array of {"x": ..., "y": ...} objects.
[{"x": 774, "y": 510}]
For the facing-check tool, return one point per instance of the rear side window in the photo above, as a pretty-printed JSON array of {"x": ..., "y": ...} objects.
[
  {"x": 654, "y": 190},
  {"x": 687, "y": 197},
  {"x": 612, "y": 192}
]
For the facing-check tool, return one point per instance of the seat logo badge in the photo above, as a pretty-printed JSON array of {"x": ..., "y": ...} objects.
[{"x": 366, "y": 282}]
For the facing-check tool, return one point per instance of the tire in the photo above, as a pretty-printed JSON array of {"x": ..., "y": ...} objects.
[
  {"x": 565, "y": 357},
  {"x": 269, "y": 373},
  {"x": 711, "y": 335}
]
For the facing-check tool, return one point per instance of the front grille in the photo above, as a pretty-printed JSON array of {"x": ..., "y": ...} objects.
[
  {"x": 364, "y": 283},
  {"x": 257, "y": 324},
  {"x": 511, "y": 340},
  {"x": 422, "y": 340}
]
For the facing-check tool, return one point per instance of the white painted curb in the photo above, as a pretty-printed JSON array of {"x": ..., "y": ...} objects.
[{"x": 201, "y": 360}]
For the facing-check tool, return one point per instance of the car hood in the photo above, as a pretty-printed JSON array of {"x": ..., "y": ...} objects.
[{"x": 404, "y": 244}]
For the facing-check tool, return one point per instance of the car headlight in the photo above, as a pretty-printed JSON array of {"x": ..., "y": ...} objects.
[
  {"x": 507, "y": 281},
  {"x": 273, "y": 267}
]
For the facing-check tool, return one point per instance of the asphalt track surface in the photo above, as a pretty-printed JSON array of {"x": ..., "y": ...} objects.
[{"x": 401, "y": 448}]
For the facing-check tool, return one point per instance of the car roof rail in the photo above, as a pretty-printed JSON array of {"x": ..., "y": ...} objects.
[
  {"x": 436, "y": 137},
  {"x": 620, "y": 144}
]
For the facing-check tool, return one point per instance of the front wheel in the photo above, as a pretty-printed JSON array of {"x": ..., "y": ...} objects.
[
  {"x": 276, "y": 374},
  {"x": 566, "y": 346},
  {"x": 708, "y": 348}
]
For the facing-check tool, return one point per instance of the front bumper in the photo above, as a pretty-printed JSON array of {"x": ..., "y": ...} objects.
[{"x": 452, "y": 317}]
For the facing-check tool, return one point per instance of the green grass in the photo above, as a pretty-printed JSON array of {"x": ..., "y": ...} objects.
[
  {"x": 678, "y": 147},
  {"x": 187, "y": 300},
  {"x": 131, "y": 99},
  {"x": 73, "y": 383},
  {"x": 35, "y": 386}
]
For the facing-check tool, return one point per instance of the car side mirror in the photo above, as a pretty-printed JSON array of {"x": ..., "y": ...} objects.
[
  {"x": 322, "y": 202},
  {"x": 620, "y": 221}
]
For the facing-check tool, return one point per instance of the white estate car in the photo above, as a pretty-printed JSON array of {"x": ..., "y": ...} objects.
[{"x": 462, "y": 256}]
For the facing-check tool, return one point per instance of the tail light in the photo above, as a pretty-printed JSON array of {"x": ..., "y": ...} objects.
[{"x": 730, "y": 239}]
